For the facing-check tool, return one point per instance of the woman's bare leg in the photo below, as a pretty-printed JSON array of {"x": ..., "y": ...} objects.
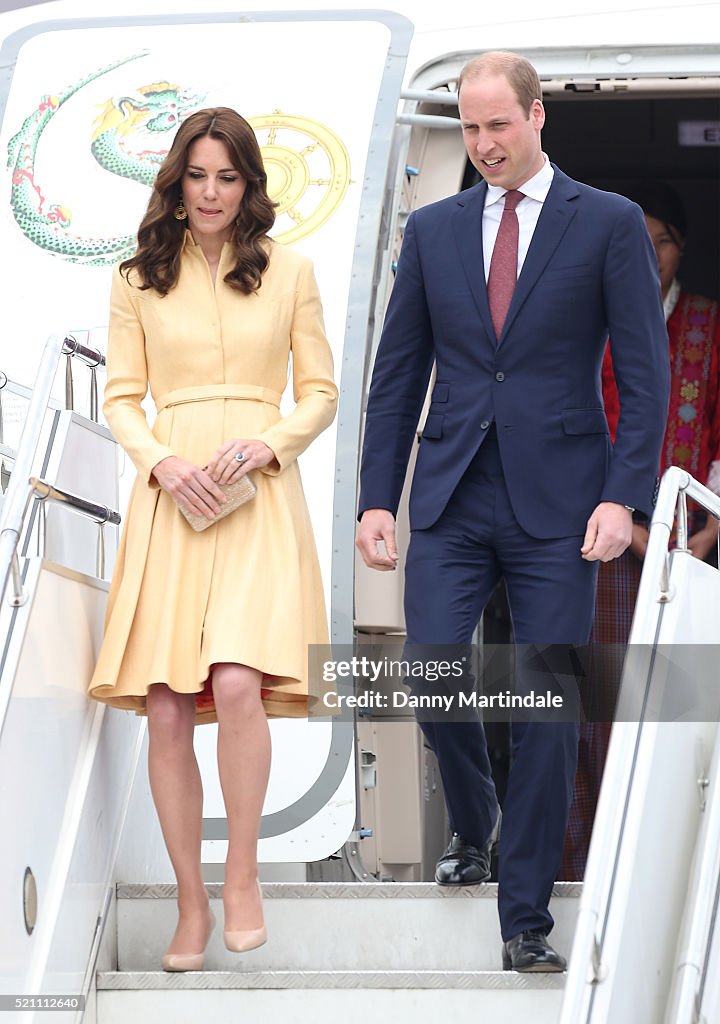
[
  {"x": 177, "y": 791},
  {"x": 244, "y": 763}
]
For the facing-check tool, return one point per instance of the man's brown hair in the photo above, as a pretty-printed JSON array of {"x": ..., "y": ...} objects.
[{"x": 518, "y": 70}]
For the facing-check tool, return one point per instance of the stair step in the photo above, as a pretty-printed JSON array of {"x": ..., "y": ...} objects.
[
  {"x": 326, "y": 996},
  {"x": 343, "y": 927},
  {"x": 141, "y": 980}
]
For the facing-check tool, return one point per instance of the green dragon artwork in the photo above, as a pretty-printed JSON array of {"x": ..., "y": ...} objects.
[{"x": 147, "y": 115}]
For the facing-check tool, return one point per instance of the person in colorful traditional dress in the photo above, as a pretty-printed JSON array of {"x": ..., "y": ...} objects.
[{"x": 692, "y": 442}]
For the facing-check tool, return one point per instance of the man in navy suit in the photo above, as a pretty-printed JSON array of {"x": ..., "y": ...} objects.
[{"x": 510, "y": 289}]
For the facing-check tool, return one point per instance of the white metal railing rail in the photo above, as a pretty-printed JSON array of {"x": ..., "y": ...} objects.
[
  {"x": 42, "y": 492},
  {"x": 675, "y": 488},
  {"x": 101, "y": 514},
  {"x": 72, "y": 350},
  {"x": 692, "y": 970},
  {"x": 4, "y": 452},
  {"x": 12, "y": 390},
  {"x": 20, "y": 490},
  {"x": 76, "y": 781},
  {"x": 441, "y": 97},
  {"x": 587, "y": 967},
  {"x": 15, "y": 504},
  {"x": 16, "y": 499},
  {"x": 92, "y": 358}
]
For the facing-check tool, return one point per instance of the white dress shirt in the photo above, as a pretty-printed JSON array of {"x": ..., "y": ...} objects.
[{"x": 528, "y": 211}]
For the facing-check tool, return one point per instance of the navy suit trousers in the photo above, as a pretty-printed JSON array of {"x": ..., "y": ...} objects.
[{"x": 452, "y": 569}]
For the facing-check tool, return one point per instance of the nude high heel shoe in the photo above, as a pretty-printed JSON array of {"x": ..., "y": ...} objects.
[
  {"x": 244, "y": 941},
  {"x": 187, "y": 961}
]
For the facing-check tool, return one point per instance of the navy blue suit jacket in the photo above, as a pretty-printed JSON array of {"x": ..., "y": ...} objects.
[{"x": 590, "y": 270}]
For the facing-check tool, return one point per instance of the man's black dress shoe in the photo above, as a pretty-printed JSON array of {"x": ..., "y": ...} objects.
[
  {"x": 464, "y": 864},
  {"x": 531, "y": 951}
]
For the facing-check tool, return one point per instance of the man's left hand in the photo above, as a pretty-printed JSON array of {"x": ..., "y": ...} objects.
[{"x": 608, "y": 534}]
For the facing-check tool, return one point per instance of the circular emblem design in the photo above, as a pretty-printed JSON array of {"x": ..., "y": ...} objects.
[{"x": 308, "y": 171}]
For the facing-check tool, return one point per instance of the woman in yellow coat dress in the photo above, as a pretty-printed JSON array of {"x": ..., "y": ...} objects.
[{"x": 215, "y": 625}]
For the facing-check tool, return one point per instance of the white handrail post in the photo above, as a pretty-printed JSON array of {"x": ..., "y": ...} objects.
[{"x": 14, "y": 507}]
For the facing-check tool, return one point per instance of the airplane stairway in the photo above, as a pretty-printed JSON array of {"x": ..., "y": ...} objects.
[
  {"x": 336, "y": 951},
  {"x": 641, "y": 930},
  {"x": 646, "y": 937},
  {"x": 65, "y": 764}
]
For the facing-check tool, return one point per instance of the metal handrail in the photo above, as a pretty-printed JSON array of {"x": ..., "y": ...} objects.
[
  {"x": 92, "y": 358},
  {"x": 4, "y": 451},
  {"x": 23, "y": 391},
  {"x": 586, "y": 960},
  {"x": 444, "y": 99},
  {"x": 44, "y": 491},
  {"x": 12, "y": 387},
  {"x": 429, "y": 120},
  {"x": 675, "y": 487},
  {"x": 89, "y": 356},
  {"x": 17, "y": 497}
]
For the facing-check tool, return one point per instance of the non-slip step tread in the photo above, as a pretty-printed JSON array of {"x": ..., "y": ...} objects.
[
  {"x": 161, "y": 980},
  {"x": 343, "y": 890}
]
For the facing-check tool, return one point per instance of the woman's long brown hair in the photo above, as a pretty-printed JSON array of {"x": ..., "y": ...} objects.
[{"x": 160, "y": 235}]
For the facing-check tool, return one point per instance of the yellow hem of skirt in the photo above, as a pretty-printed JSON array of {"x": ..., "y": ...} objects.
[{"x": 290, "y": 706}]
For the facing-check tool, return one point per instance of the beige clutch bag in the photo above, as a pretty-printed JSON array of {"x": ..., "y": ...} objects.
[{"x": 237, "y": 494}]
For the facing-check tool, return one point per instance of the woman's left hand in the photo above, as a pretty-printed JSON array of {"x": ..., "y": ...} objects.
[{"x": 225, "y": 468}]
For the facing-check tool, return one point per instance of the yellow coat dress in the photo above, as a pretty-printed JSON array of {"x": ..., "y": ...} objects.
[{"x": 247, "y": 589}]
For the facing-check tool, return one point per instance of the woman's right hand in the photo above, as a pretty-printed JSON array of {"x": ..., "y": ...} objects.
[{"x": 189, "y": 485}]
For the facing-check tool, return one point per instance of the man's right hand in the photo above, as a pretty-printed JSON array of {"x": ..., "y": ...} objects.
[
  {"x": 377, "y": 524},
  {"x": 189, "y": 485}
]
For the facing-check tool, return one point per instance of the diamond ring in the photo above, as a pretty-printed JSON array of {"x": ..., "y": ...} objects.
[{"x": 239, "y": 456}]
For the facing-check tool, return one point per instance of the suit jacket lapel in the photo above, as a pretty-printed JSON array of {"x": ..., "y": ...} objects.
[
  {"x": 467, "y": 226},
  {"x": 555, "y": 217}
]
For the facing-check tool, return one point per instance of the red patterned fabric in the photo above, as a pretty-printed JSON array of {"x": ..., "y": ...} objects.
[
  {"x": 692, "y": 438},
  {"x": 615, "y": 603},
  {"x": 692, "y": 441}
]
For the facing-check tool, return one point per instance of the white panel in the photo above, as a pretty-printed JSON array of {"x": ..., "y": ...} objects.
[
  {"x": 65, "y": 767},
  {"x": 64, "y": 93},
  {"x": 299, "y": 755},
  {"x": 84, "y": 462}
]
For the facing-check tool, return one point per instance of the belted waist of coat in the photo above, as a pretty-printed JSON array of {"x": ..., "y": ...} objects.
[{"x": 210, "y": 392}]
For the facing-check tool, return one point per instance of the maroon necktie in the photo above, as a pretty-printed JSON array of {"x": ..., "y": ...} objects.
[{"x": 503, "y": 265}]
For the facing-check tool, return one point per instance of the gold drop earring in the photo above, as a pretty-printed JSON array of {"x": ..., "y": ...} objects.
[{"x": 180, "y": 213}]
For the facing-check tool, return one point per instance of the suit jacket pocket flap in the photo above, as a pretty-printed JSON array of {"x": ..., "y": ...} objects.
[
  {"x": 440, "y": 392},
  {"x": 433, "y": 425},
  {"x": 584, "y": 421}
]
